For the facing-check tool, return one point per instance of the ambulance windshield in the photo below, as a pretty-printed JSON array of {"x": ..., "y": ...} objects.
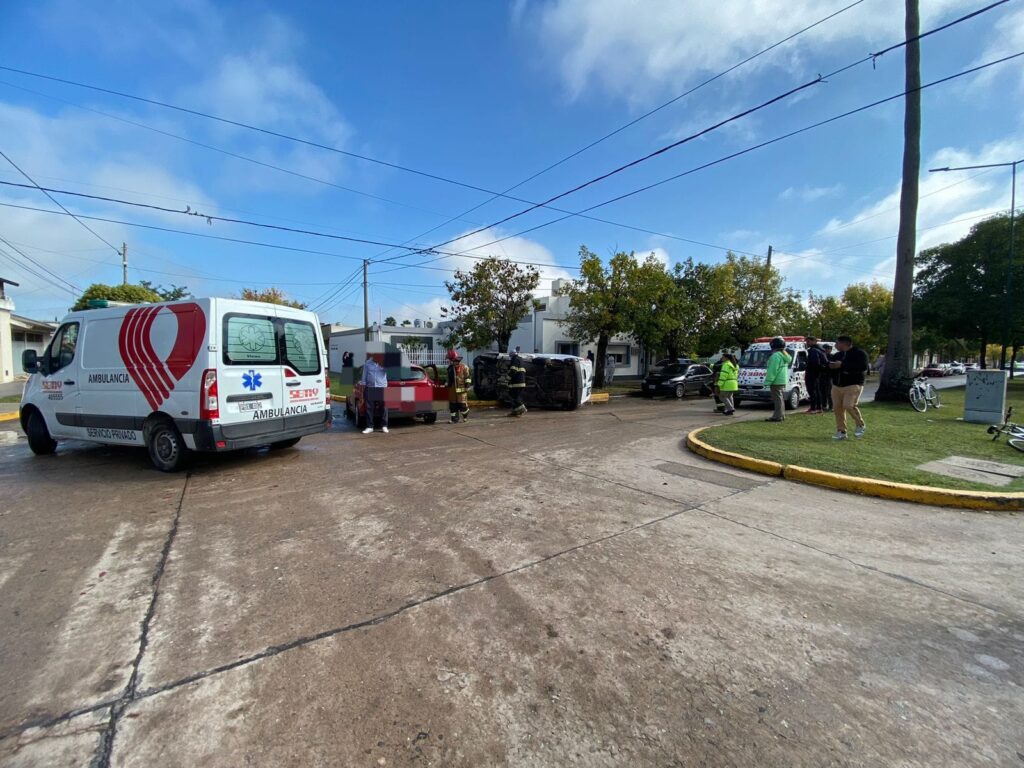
[{"x": 755, "y": 358}]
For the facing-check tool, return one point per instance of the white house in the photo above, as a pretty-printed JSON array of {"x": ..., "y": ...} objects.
[
  {"x": 18, "y": 334},
  {"x": 544, "y": 331}
]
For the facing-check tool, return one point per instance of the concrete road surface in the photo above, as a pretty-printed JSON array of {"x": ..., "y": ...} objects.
[{"x": 561, "y": 589}]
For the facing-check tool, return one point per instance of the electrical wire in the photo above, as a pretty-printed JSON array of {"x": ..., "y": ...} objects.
[
  {"x": 747, "y": 150},
  {"x": 113, "y": 247},
  {"x": 633, "y": 122},
  {"x": 872, "y": 57}
]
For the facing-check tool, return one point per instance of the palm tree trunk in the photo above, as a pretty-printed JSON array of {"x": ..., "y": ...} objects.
[{"x": 899, "y": 351}]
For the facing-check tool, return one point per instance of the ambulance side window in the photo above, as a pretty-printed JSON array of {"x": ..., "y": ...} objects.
[
  {"x": 62, "y": 350},
  {"x": 249, "y": 339},
  {"x": 301, "y": 351}
]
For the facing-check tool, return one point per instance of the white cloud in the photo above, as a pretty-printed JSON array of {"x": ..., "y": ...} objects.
[
  {"x": 810, "y": 194},
  {"x": 629, "y": 48}
]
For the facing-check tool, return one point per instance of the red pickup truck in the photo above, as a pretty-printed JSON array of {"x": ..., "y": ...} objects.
[{"x": 410, "y": 395}]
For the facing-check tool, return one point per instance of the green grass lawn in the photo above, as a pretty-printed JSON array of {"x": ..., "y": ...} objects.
[
  {"x": 898, "y": 439},
  {"x": 10, "y": 399},
  {"x": 625, "y": 388}
]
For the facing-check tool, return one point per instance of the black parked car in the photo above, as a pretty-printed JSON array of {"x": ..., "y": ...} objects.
[{"x": 678, "y": 380}]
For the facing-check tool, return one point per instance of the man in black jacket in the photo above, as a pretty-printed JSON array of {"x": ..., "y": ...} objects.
[
  {"x": 817, "y": 366},
  {"x": 849, "y": 367}
]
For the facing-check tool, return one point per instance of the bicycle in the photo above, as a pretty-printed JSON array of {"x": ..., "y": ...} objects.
[
  {"x": 922, "y": 394},
  {"x": 1014, "y": 432}
]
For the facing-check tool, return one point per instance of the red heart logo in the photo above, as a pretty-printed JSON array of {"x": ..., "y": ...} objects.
[{"x": 154, "y": 377}]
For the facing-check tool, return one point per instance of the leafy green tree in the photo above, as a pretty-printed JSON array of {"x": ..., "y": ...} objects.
[
  {"x": 871, "y": 302},
  {"x": 406, "y": 323},
  {"x": 174, "y": 293},
  {"x": 390, "y": 320},
  {"x": 758, "y": 304},
  {"x": 657, "y": 313},
  {"x": 961, "y": 287},
  {"x": 489, "y": 301},
  {"x": 128, "y": 294},
  {"x": 270, "y": 295},
  {"x": 600, "y": 302}
]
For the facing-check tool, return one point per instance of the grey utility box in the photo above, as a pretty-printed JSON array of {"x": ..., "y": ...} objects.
[{"x": 985, "y": 402}]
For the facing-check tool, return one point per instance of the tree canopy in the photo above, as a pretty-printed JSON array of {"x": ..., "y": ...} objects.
[
  {"x": 489, "y": 301},
  {"x": 270, "y": 295},
  {"x": 128, "y": 294}
]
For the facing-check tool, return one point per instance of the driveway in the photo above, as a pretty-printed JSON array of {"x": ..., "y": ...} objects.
[{"x": 560, "y": 589}]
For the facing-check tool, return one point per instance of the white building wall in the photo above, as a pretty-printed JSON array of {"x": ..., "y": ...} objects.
[{"x": 7, "y": 371}]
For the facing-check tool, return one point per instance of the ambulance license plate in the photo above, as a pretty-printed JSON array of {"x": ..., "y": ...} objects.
[{"x": 249, "y": 405}]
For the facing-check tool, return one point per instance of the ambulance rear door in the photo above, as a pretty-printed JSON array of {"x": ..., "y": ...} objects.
[
  {"x": 302, "y": 358},
  {"x": 250, "y": 377}
]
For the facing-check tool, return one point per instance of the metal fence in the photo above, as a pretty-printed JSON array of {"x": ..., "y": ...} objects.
[{"x": 424, "y": 356}]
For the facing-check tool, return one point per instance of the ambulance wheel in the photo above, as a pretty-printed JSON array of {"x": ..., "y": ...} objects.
[
  {"x": 793, "y": 399},
  {"x": 167, "y": 450},
  {"x": 39, "y": 439},
  {"x": 281, "y": 444}
]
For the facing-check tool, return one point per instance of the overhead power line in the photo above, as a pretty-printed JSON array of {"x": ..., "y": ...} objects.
[
  {"x": 633, "y": 122},
  {"x": 668, "y": 147},
  {"x": 258, "y": 243},
  {"x": 734, "y": 155},
  {"x": 57, "y": 202},
  {"x": 317, "y": 180},
  {"x": 71, "y": 287}
]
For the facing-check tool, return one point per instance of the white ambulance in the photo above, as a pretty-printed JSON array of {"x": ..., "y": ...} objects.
[
  {"x": 182, "y": 376},
  {"x": 753, "y": 365}
]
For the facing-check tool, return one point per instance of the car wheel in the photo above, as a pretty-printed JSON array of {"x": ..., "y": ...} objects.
[
  {"x": 282, "y": 444},
  {"x": 680, "y": 391},
  {"x": 167, "y": 450},
  {"x": 429, "y": 418},
  {"x": 348, "y": 410},
  {"x": 793, "y": 399},
  {"x": 39, "y": 440},
  {"x": 360, "y": 418}
]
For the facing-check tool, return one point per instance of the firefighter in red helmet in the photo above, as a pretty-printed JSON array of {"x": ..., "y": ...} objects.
[{"x": 459, "y": 382}]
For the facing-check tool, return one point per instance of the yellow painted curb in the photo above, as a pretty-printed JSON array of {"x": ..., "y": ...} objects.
[
  {"x": 9, "y": 416},
  {"x": 697, "y": 445},
  {"x": 484, "y": 404},
  {"x": 919, "y": 494},
  {"x": 600, "y": 397},
  {"x": 339, "y": 398}
]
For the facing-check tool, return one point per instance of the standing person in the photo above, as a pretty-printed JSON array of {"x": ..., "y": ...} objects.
[
  {"x": 609, "y": 369},
  {"x": 850, "y": 366},
  {"x": 728, "y": 381},
  {"x": 517, "y": 383},
  {"x": 375, "y": 384},
  {"x": 776, "y": 377},
  {"x": 459, "y": 382},
  {"x": 817, "y": 367},
  {"x": 716, "y": 391},
  {"x": 825, "y": 382},
  {"x": 590, "y": 357}
]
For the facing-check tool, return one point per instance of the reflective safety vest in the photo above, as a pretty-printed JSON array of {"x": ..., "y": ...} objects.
[
  {"x": 516, "y": 373},
  {"x": 459, "y": 381}
]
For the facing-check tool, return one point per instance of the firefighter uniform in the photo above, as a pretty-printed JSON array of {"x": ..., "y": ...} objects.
[
  {"x": 459, "y": 382},
  {"x": 516, "y": 384}
]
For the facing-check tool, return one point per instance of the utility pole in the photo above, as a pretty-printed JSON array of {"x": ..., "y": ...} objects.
[
  {"x": 366, "y": 303},
  {"x": 124, "y": 263},
  {"x": 769, "y": 262},
  {"x": 899, "y": 351}
]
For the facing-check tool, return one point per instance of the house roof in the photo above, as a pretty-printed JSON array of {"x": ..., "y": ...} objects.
[{"x": 34, "y": 326}]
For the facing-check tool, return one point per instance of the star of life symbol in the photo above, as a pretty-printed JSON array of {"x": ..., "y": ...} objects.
[{"x": 252, "y": 380}]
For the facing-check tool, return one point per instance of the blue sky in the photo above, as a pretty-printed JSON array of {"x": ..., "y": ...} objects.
[{"x": 486, "y": 94}]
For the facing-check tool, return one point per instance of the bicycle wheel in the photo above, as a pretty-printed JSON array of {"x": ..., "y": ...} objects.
[
  {"x": 1017, "y": 442},
  {"x": 917, "y": 400},
  {"x": 932, "y": 396}
]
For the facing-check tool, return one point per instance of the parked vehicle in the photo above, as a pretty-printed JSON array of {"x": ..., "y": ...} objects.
[
  {"x": 753, "y": 364},
  {"x": 552, "y": 381},
  {"x": 176, "y": 377},
  {"x": 957, "y": 369},
  {"x": 411, "y": 394},
  {"x": 675, "y": 380},
  {"x": 934, "y": 371},
  {"x": 670, "y": 361}
]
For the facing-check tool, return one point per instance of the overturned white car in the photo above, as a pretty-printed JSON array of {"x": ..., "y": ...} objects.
[{"x": 552, "y": 381}]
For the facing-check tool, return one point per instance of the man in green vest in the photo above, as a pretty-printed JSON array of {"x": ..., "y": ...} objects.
[{"x": 776, "y": 376}]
